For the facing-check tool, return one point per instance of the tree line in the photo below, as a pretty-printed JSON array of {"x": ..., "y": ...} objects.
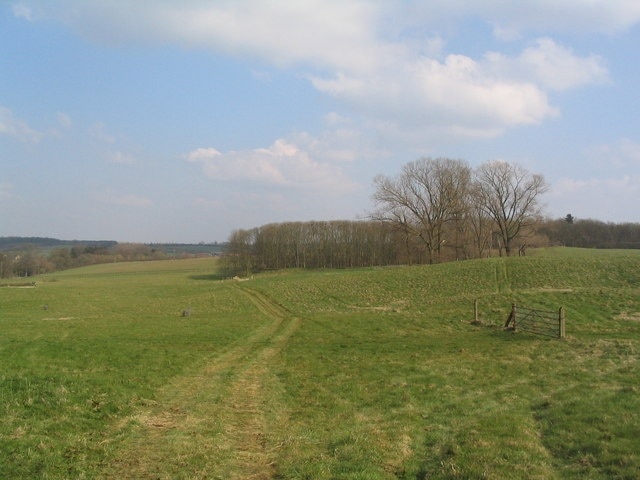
[
  {"x": 434, "y": 210},
  {"x": 29, "y": 259},
  {"x": 331, "y": 244},
  {"x": 589, "y": 233}
]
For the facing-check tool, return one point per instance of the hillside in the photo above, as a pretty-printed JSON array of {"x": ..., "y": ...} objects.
[
  {"x": 46, "y": 243},
  {"x": 161, "y": 370}
]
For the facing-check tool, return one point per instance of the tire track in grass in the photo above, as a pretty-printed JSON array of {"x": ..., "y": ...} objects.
[
  {"x": 212, "y": 423},
  {"x": 253, "y": 458},
  {"x": 503, "y": 284}
]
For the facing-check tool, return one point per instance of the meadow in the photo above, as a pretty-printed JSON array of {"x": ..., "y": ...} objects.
[{"x": 164, "y": 370}]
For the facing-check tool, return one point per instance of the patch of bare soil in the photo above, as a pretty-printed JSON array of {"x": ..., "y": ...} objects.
[
  {"x": 551, "y": 289},
  {"x": 629, "y": 316}
]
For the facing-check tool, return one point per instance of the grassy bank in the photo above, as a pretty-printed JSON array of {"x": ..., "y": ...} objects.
[{"x": 161, "y": 370}]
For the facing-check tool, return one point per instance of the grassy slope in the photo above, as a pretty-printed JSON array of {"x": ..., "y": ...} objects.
[
  {"x": 397, "y": 383},
  {"x": 371, "y": 373}
]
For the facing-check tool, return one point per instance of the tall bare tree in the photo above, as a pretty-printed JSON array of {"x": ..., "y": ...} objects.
[
  {"x": 510, "y": 195},
  {"x": 426, "y": 196}
]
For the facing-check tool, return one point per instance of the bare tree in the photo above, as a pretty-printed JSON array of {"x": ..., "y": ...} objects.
[
  {"x": 509, "y": 195},
  {"x": 426, "y": 196},
  {"x": 480, "y": 228}
]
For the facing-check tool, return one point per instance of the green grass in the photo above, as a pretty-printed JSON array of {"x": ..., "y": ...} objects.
[
  {"x": 354, "y": 374},
  {"x": 109, "y": 339}
]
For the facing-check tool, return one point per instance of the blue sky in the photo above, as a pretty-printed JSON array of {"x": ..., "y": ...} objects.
[{"x": 180, "y": 121}]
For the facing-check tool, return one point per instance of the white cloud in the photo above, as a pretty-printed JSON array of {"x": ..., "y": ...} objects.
[
  {"x": 335, "y": 119},
  {"x": 99, "y": 132},
  {"x": 512, "y": 19},
  {"x": 64, "y": 120},
  {"x": 16, "y": 128},
  {"x": 506, "y": 33},
  {"x": 384, "y": 58},
  {"x": 342, "y": 144},
  {"x": 624, "y": 153},
  {"x": 202, "y": 154},
  {"x": 549, "y": 65},
  {"x": 318, "y": 30},
  {"x": 459, "y": 93},
  {"x": 21, "y": 10},
  {"x": 312, "y": 32},
  {"x": 599, "y": 188},
  {"x": 609, "y": 198},
  {"x": 606, "y": 16},
  {"x": 121, "y": 158},
  {"x": 282, "y": 164},
  {"x": 464, "y": 96}
]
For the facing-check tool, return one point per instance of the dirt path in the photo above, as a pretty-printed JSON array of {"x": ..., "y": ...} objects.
[{"x": 212, "y": 423}]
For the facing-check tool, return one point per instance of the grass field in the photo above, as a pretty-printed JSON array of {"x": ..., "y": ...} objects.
[{"x": 160, "y": 370}]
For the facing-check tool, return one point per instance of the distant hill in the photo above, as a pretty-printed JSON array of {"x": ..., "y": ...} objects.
[
  {"x": 20, "y": 243},
  {"x": 46, "y": 243}
]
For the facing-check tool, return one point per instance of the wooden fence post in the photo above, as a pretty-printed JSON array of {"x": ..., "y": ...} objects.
[
  {"x": 561, "y": 323},
  {"x": 512, "y": 317},
  {"x": 475, "y": 310}
]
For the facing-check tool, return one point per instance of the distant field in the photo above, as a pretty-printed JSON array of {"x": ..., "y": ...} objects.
[{"x": 162, "y": 370}]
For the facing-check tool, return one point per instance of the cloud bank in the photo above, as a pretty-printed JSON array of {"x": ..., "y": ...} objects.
[
  {"x": 282, "y": 164},
  {"x": 376, "y": 57}
]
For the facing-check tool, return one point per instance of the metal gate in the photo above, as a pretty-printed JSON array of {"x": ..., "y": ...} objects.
[{"x": 539, "y": 322}]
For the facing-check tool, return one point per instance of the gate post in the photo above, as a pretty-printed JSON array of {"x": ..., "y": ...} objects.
[
  {"x": 512, "y": 317},
  {"x": 561, "y": 323}
]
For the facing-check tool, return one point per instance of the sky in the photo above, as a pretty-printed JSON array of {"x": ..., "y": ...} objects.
[{"x": 184, "y": 120}]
